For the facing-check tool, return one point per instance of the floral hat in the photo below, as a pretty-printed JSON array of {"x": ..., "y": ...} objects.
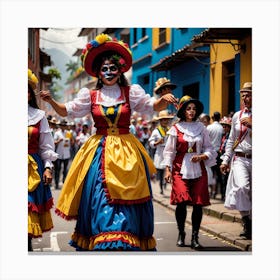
[
  {"x": 226, "y": 120},
  {"x": 103, "y": 43},
  {"x": 184, "y": 101},
  {"x": 32, "y": 79},
  {"x": 163, "y": 82}
]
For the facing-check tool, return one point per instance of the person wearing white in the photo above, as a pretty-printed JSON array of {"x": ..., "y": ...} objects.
[
  {"x": 63, "y": 146},
  {"x": 216, "y": 131},
  {"x": 157, "y": 141},
  {"x": 238, "y": 153}
]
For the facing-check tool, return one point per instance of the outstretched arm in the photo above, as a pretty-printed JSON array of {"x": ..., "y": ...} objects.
[{"x": 60, "y": 108}]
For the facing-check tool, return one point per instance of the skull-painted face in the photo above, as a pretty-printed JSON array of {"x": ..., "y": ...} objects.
[{"x": 109, "y": 72}]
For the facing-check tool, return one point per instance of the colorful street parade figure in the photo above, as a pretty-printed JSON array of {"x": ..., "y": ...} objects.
[
  {"x": 40, "y": 157},
  {"x": 108, "y": 187}
]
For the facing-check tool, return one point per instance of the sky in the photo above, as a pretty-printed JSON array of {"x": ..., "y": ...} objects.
[{"x": 65, "y": 39}]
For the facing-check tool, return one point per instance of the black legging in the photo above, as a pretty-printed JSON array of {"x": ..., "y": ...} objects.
[{"x": 181, "y": 215}]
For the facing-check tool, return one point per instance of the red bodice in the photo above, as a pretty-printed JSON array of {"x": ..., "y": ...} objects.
[
  {"x": 105, "y": 125},
  {"x": 33, "y": 138}
]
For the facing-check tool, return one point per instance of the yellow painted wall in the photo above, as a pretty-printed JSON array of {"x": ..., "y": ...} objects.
[{"x": 220, "y": 53}]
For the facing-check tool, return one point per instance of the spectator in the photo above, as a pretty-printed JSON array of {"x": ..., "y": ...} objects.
[
  {"x": 215, "y": 130},
  {"x": 157, "y": 140},
  {"x": 62, "y": 142}
]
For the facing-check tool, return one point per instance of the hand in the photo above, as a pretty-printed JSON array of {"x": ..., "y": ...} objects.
[
  {"x": 197, "y": 158},
  {"x": 247, "y": 121},
  {"x": 168, "y": 176},
  {"x": 46, "y": 95},
  {"x": 170, "y": 99},
  {"x": 224, "y": 168},
  {"x": 47, "y": 176}
]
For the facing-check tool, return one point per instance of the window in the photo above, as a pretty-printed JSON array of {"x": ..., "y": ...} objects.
[
  {"x": 134, "y": 36},
  {"x": 144, "y": 33},
  {"x": 31, "y": 43},
  {"x": 191, "y": 90},
  {"x": 161, "y": 37},
  {"x": 229, "y": 94}
]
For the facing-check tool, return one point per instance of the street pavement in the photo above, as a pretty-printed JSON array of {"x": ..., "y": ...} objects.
[{"x": 217, "y": 220}]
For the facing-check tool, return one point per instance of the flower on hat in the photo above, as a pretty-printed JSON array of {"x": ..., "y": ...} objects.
[{"x": 32, "y": 79}]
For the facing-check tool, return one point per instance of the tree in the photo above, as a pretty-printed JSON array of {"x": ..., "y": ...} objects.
[
  {"x": 55, "y": 86},
  {"x": 71, "y": 67}
]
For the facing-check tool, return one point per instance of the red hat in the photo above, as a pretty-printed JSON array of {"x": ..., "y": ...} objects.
[{"x": 103, "y": 43}]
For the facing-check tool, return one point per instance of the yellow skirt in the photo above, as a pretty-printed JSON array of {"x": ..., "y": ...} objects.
[{"x": 125, "y": 164}]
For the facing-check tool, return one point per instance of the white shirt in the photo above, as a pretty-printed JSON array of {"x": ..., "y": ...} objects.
[
  {"x": 194, "y": 132},
  {"x": 139, "y": 100},
  {"x": 158, "y": 156},
  {"x": 46, "y": 143},
  {"x": 245, "y": 146},
  {"x": 215, "y": 133},
  {"x": 63, "y": 147}
]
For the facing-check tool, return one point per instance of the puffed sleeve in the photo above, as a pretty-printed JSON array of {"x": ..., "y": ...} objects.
[
  {"x": 81, "y": 105},
  {"x": 46, "y": 144},
  {"x": 140, "y": 101},
  {"x": 169, "y": 151}
]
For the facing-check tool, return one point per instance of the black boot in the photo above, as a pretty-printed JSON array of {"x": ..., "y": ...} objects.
[
  {"x": 196, "y": 221},
  {"x": 181, "y": 239},
  {"x": 30, "y": 249},
  {"x": 194, "y": 243},
  {"x": 181, "y": 214},
  {"x": 247, "y": 227}
]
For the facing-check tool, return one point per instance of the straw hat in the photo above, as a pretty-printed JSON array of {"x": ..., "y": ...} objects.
[
  {"x": 163, "y": 82},
  {"x": 164, "y": 115},
  {"x": 104, "y": 43},
  {"x": 32, "y": 79},
  {"x": 246, "y": 87},
  {"x": 184, "y": 101},
  {"x": 226, "y": 120}
]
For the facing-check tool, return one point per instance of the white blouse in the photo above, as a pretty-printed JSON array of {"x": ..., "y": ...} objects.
[
  {"x": 139, "y": 100},
  {"x": 194, "y": 132},
  {"x": 46, "y": 143}
]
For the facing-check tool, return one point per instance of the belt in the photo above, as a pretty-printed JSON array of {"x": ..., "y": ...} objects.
[{"x": 240, "y": 154}]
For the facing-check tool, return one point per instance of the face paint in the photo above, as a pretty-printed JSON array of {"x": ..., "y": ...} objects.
[{"x": 109, "y": 71}]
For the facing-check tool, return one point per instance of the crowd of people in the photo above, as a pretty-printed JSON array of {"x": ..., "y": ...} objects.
[{"x": 109, "y": 163}]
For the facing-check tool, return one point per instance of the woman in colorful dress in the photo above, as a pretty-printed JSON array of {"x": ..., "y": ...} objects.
[
  {"x": 187, "y": 151},
  {"x": 107, "y": 188},
  {"x": 40, "y": 157}
]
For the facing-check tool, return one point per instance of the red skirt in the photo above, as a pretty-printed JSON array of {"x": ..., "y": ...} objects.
[{"x": 193, "y": 191}]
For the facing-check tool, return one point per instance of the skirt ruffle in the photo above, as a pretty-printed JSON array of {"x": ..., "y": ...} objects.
[
  {"x": 40, "y": 201},
  {"x": 103, "y": 225}
]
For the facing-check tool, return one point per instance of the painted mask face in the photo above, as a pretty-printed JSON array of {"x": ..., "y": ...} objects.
[{"x": 109, "y": 71}]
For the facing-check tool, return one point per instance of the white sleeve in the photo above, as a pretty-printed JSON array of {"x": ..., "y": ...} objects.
[
  {"x": 208, "y": 149},
  {"x": 155, "y": 136},
  {"x": 46, "y": 144},
  {"x": 81, "y": 105},
  {"x": 169, "y": 151},
  {"x": 140, "y": 101}
]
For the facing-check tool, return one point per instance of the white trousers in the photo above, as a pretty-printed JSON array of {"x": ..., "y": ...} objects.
[{"x": 239, "y": 187}]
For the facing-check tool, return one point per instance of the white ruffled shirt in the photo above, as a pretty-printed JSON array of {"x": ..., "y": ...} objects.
[
  {"x": 194, "y": 132},
  {"x": 139, "y": 100},
  {"x": 46, "y": 143}
]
